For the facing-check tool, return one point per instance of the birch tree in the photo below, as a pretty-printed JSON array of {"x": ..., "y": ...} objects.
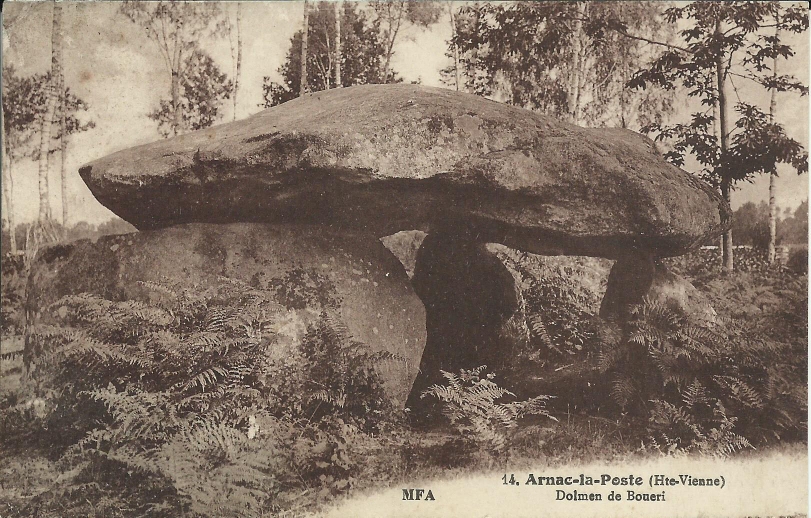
[
  {"x": 176, "y": 28},
  {"x": 773, "y": 174},
  {"x": 720, "y": 42},
  {"x": 338, "y": 56},
  {"x": 24, "y": 108},
  {"x": 47, "y": 119},
  {"x": 395, "y": 15},
  {"x": 235, "y": 33},
  {"x": 360, "y": 58},
  {"x": 558, "y": 58},
  {"x": 303, "y": 79}
]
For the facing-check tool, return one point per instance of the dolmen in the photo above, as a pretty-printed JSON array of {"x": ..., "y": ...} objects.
[{"x": 303, "y": 192}]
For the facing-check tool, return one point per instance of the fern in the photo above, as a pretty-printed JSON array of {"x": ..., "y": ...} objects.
[
  {"x": 711, "y": 389},
  {"x": 471, "y": 403},
  {"x": 172, "y": 389}
]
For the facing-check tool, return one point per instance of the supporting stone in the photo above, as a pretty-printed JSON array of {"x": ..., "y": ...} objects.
[
  {"x": 468, "y": 295},
  {"x": 628, "y": 283},
  {"x": 304, "y": 269},
  {"x": 638, "y": 276}
]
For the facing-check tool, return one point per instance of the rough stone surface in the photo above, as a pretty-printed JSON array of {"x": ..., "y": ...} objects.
[
  {"x": 468, "y": 296},
  {"x": 629, "y": 281},
  {"x": 386, "y": 158},
  {"x": 677, "y": 292},
  {"x": 306, "y": 269},
  {"x": 638, "y": 277}
]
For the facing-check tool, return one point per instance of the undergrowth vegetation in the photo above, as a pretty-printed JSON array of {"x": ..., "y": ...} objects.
[
  {"x": 218, "y": 401},
  {"x": 474, "y": 405},
  {"x": 693, "y": 386},
  {"x": 192, "y": 404}
]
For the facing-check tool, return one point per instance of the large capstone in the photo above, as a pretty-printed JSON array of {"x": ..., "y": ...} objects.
[
  {"x": 387, "y": 158},
  {"x": 305, "y": 269}
]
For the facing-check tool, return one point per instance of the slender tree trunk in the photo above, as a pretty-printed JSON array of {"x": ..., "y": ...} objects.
[
  {"x": 773, "y": 175},
  {"x": 8, "y": 200},
  {"x": 8, "y": 189},
  {"x": 48, "y": 116},
  {"x": 473, "y": 75},
  {"x": 455, "y": 47},
  {"x": 63, "y": 137},
  {"x": 717, "y": 133},
  {"x": 63, "y": 146},
  {"x": 303, "y": 85},
  {"x": 394, "y": 28},
  {"x": 177, "y": 109},
  {"x": 338, "y": 57},
  {"x": 239, "y": 57},
  {"x": 726, "y": 184},
  {"x": 574, "y": 94},
  {"x": 623, "y": 100}
]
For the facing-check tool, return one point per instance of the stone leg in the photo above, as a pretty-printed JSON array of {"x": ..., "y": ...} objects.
[
  {"x": 629, "y": 281},
  {"x": 635, "y": 277},
  {"x": 468, "y": 295}
]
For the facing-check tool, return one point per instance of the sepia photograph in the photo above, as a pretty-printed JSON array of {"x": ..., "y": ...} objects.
[{"x": 406, "y": 259}]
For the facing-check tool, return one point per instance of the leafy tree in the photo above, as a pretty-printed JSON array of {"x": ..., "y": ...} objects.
[
  {"x": 750, "y": 224},
  {"x": 794, "y": 227},
  {"x": 69, "y": 123},
  {"x": 394, "y": 15},
  {"x": 24, "y": 110},
  {"x": 723, "y": 40},
  {"x": 558, "y": 57},
  {"x": 176, "y": 28},
  {"x": 203, "y": 88},
  {"x": 23, "y": 103},
  {"x": 362, "y": 54}
]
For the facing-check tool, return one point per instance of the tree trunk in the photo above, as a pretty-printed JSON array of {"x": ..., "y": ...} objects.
[
  {"x": 717, "y": 133},
  {"x": 177, "y": 110},
  {"x": 773, "y": 175},
  {"x": 8, "y": 189},
  {"x": 303, "y": 84},
  {"x": 338, "y": 13},
  {"x": 574, "y": 95},
  {"x": 48, "y": 116},
  {"x": 63, "y": 146},
  {"x": 239, "y": 57},
  {"x": 726, "y": 184},
  {"x": 455, "y": 46},
  {"x": 8, "y": 199},
  {"x": 394, "y": 28},
  {"x": 63, "y": 138},
  {"x": 474, "y": 74}
]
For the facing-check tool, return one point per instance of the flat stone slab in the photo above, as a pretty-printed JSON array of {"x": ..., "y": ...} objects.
[{"x": 386, "y": 158}]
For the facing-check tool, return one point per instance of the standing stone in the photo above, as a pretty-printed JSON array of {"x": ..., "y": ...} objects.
[
  {"x": 639, "y": 277},
  {"x": 468, "y": 295},
  {"x": 304, "y": 268}
]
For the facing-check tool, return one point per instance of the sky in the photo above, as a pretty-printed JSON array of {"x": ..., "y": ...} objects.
[{"x": 111, "y": 64}]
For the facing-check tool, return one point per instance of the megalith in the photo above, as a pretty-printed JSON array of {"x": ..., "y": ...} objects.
[
  {"x": 380, "y": 159},
  {"x": 386, "y": 158},
  {"x": 304, "y": 268},
  {"x": 639, "y": 277},
  {"x": 468, "y": 295}
]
